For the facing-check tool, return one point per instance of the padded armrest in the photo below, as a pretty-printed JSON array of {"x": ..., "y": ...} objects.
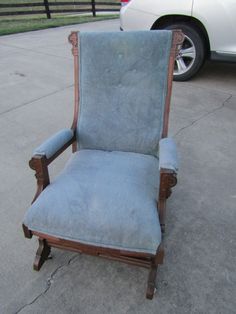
[
  {"x": 54, "y": 143},
  {"x": 168, "y": 154}
]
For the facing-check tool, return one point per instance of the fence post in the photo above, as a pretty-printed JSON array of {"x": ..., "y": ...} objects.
[
  {"x": 93, "y": 8},
  {"x": 47, "y": 9}
]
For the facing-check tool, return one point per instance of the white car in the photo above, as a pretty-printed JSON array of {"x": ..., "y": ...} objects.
[{"x": 209, "y": 27}]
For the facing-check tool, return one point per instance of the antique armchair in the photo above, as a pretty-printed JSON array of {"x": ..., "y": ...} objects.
[{"x": 110, "y": 199}]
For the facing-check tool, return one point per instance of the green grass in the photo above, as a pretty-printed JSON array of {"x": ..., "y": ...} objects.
[
  {"x": 18, "y": 25},
  {"x": 54, "y": 7},
  {"x": 22, "y": 23}
]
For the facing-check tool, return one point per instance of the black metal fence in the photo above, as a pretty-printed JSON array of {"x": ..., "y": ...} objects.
[{"x": 48, "y": 7}]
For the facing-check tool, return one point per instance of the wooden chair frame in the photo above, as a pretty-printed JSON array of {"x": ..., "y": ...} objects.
[{"x": 168, "y": 179}]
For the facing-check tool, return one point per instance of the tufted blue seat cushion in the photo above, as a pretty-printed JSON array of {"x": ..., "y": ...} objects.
[
  {"x": 123, "y": 85},
  {"x": 104, "y": 199}
]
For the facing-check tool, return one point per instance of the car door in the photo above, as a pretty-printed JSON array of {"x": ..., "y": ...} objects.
[{"x": 219, "y": 19}]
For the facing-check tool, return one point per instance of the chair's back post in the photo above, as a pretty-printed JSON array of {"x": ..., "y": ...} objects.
[
  {"x": 74, "y": 40},
  {"x": 177, "y": 40}
]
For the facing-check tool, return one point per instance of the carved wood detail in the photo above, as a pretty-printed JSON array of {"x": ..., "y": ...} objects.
[
  {"x": 73, "y": 39},
  {"x": 178, "y": 38},
  {"x": 168, "y": 179},
  {"x": 39, "y": 164}
]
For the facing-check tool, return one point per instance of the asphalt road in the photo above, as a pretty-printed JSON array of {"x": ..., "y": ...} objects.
[{"x": 199, "y": 272}]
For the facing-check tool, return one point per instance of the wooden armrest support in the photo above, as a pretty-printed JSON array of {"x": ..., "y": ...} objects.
[
  {"x": 168, "y": 179},
  {"x": 40, "y": 163}
]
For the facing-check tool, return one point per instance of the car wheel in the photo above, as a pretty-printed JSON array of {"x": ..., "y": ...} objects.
[{"x": 191, "y": 55}]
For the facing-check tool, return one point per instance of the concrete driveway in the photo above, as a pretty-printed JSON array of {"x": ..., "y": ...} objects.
[{"x": 199, "y": 273}]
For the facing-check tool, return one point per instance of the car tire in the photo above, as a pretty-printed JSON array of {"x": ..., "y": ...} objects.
[{"x": 192, "y": 53}]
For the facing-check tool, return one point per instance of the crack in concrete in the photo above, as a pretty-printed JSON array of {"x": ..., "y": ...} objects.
[
  {"x": 36, "y": 99},
  {"x": 49, "y": 284},
  {"x": 203, "y": 116}
]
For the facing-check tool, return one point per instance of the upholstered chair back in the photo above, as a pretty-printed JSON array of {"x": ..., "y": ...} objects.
[{"x": 122, "y": 87}]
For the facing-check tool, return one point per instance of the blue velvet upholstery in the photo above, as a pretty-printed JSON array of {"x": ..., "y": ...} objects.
[
  {"x": 102, "y": 198},
  {"x": 54, "y": 143},
  {"x": 168, "y": 154},
  {"x": 123, "y": 84}
]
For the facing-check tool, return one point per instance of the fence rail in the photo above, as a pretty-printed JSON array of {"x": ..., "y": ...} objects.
[{"x": 92, "y": 6}]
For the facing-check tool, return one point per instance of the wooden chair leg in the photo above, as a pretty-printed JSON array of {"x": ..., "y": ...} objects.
[
  {"x": 151, "y": 285},
  {"x": 157, "y": 260},
  {"x": 42, "y": 254}
]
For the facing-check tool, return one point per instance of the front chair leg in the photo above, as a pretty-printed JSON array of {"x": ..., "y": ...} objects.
[
  {"x": 151, "y": 285},
  {"x": 157, "y": 260},
  {"x": 42, "y": 254}
]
